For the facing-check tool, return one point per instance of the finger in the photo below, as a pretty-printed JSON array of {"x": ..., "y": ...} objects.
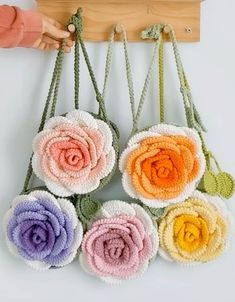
[
  {"x": 53, "y": 46},
  {"x": 67, "y": 49},
  {"x": 50, "y": 40},
  {"x": 70, "y": 43},
  {"x": 49, "y": 44},
  {"x": 41, "y": 46},
  {"x": 56, "y": 46},
  {"x": 70, "y": 39},
  {"x": 47, "y": 47},
  {"x": 36, "y": 43},
  {"x": 54, "y": 32}
]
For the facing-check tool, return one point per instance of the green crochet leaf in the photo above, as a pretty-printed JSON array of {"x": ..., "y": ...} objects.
[
  {"x": 226, "y": 184},
  {"x": 86, "y": 208},
  {"x": 155, "y": 214},
  {"x": 209, "y": 183}
]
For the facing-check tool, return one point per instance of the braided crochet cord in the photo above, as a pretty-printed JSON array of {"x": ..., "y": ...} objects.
[
  {"x": 76, "y": 73},
  {"x": 192, "y": 115},
  {"x": 76, "y": 20},
  {"x": 129, "y": 76},
  {"x": 161, "y": 82},
  {"x": 51, "y": 100},
  {"x": 157, "y": 32}
]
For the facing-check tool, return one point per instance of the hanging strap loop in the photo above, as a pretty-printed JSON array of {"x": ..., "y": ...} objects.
[
  {"x": 76, "y": 74},
  {"x": 76, "y": 20},
  {"x": 128, "y": 72},
  {"x": 192, "y": 115},
  {"x": 108, "y": 61},
  {"x": 153, "y": 32},
  {"x": 50, "y": 101},
  {"x": 161, "y": 82}
]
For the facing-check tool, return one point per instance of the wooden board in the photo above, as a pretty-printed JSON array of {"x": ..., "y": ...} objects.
[{"x": 100, "y": 15}]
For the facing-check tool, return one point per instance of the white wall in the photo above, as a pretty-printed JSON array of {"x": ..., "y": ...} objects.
[{"x": 24, "y": 80}]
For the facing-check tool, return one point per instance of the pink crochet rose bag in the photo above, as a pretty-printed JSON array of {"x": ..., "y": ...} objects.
[{"x": 76, "y": 153}]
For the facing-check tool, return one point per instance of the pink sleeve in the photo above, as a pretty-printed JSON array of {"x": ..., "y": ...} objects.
[{"x": 18, "y": 27}]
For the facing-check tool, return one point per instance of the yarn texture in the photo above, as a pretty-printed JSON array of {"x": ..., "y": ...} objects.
[
  {"x": 43, "y": 231},
  {"x": 196, "y": 230},
  {"x": 162, "y": 165},
  {"x": 73, "y": 153},
  {"x": 119, "y": 243}
]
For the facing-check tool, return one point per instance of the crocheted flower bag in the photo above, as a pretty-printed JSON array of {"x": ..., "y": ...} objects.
[
  {"x": 120, "y": 238},
  {"x": 164, "y": 163},
  {"x": 77, "y": 153}
]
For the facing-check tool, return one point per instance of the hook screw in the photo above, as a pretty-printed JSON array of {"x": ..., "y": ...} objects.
[{"x": 188, "y": 30}]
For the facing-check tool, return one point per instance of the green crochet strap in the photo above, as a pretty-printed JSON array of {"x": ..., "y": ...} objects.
[
  {"x": 127, "y": 64},
  {"x": 161, "y": 82},
  {"x": 108, "y": 62},
  {"x": 76, "y": 20},
  {"x": 192, "y": 115},
  {"x": 77, "y": 67},
  {"x": 76, "y": 72},
  {"x": 58, "y": 66},
  {"x": 79, "y": 28},
  {"x": 153, "y": 33},
  {"x": 128, "y": 74},
  {"x": 210, "y": 155},
  {"x": 50, "y": 101}
]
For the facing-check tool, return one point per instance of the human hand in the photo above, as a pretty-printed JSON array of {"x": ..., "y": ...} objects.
[{"x": 52, "y": 36}]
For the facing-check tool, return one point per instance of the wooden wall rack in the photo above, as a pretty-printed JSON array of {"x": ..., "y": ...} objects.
[{"x": 100, "y": 15}]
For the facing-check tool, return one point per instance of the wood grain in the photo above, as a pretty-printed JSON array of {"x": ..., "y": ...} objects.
[{"x": 99, "y": 16}]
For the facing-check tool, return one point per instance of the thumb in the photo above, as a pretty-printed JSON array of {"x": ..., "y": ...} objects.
[{"x": 55, "y": 32}]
